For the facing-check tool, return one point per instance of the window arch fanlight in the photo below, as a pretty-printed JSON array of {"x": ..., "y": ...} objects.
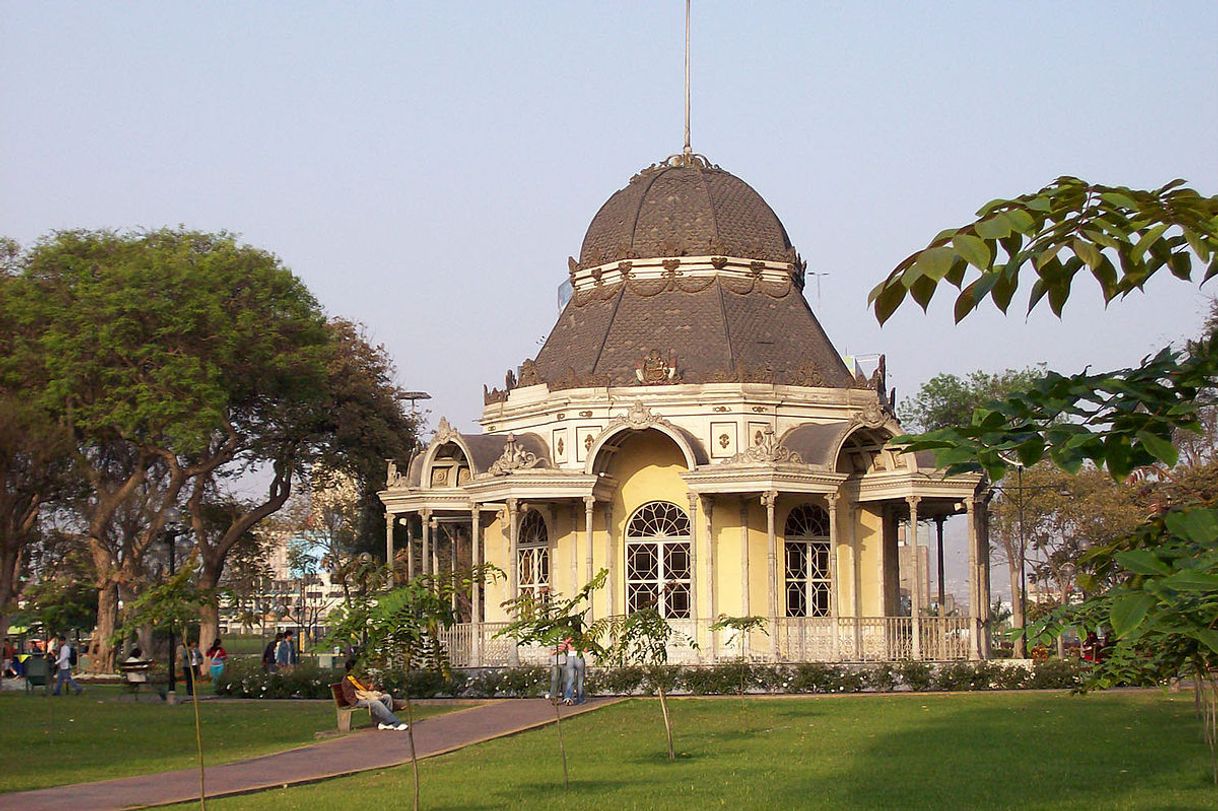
[
  {"x": 658, "y": 568},
  {"x": 533, "y": 553},
  {"x": 806, "y": 547}
]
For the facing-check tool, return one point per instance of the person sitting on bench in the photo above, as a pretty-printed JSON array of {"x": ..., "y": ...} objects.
[{"x": 365, "y": 694}]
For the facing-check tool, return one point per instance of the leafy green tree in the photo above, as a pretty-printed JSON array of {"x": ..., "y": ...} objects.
[
  {"x": 1119, "y": 420},
  {"x": 168, "y": 355},
  {"x": 1158, "y": 587},
  {"x": 35, "y": 469},
  {"x": 551, "y": 622},
  {"x": 174, "y": 606},
  {"x": 643, "y": 639},
  {"x": 402, "y": 626},
  {"x": 343, "y": 430},
  {"x": 948, "y": 400}
]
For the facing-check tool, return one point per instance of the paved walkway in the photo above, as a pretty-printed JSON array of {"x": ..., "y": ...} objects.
[{"x": 361, "y": 751}]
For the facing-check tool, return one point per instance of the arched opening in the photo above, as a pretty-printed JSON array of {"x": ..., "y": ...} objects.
[
  {"x": 658, "y": 560},
  {"x": 864, "y": 451},
  {"x": 806, "y": 547},
  {"x": 533, "y": 554},
  {"x": 449, "y": 467}
]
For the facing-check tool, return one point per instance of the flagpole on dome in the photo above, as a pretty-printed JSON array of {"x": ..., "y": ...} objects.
[{"x": 688, "y": 150}]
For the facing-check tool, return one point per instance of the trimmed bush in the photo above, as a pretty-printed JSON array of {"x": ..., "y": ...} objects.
[{"x": 915, "y": 675}]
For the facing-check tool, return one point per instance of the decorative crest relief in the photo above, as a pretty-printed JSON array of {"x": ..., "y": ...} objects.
[
  {"x": 392, "y": 477},
  {"x": 514, "y": 458},
  {"x": 767, "y": 452},
  {"x": 444, "y": 432},
  {"x": 655, "y": 370},
  {"x": 872, "y": 415},
  {"x": 528, "y": 374},
  {"x": 640, "y": 416}
]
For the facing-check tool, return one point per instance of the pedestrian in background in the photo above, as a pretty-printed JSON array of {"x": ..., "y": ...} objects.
[{"x": 64, "y": 662}]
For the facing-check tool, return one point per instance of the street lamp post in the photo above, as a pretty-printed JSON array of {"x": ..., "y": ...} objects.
[
  {"x": 1023, "y": 568},
  {"x": 171, "y": 537}
]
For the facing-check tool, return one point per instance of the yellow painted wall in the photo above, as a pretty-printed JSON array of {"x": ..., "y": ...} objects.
[
  {"x": 870, "y": 540},
  {"x": 648, "y": 467}
]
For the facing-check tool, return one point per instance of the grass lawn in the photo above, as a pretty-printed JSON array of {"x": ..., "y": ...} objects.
[
  {"x": 48, "y": 741},
  {"x": 959, "y": 751}
]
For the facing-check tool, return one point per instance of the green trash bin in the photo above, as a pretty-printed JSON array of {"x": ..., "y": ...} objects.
[{"x": 37, "y": 673}]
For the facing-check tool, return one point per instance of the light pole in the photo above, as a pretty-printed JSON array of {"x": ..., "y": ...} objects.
[{"x": 172, "y": 530}]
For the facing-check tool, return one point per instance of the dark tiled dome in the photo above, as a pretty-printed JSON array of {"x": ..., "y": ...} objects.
[{"x": 685, "y": 208}]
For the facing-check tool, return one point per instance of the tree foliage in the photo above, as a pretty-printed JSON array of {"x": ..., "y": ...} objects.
[
  {"x": 948, "y": 400},
  {"x": 1067, "y": 227}
]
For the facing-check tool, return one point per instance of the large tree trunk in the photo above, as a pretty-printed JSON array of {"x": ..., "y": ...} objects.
[
  {"x": 101, "y": 648},
  {"x": 209, "y": 612},
  {"x": 10, "y": 565},
  {"x": 1021, "y": 645}
]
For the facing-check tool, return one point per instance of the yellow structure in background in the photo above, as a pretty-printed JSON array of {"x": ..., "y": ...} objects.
[{"x": 689, "y": 427}]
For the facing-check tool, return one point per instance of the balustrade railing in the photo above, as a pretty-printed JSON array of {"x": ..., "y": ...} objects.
[{"x": 791, "y": 639}]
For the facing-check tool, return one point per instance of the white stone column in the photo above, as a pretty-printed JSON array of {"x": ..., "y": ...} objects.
[
  {"x": 453, "y": 535},
  {"x": 915, "y": 581},
  {"x": 409, "y": 546},
  {"x": 974, "y": 623},
  {"x": 513, "y": 521},
  {"x": 769, "y": 499},
  {"x": 831, "y": 503},
  {"x": 426, "y": 550},
  {"x": 712, "y": 554},
  {"x": 694, "y": 538},
  {"x": 475, "y": 597},
  {"x": 589, "y": 507},
  {"x": 389, "y": 519}
]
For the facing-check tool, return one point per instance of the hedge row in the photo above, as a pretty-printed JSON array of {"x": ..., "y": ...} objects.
[{"x": 247, "y": 680}]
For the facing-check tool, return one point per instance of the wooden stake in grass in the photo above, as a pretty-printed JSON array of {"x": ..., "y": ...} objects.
[
  {"x": 643, "y": 638},
  {"x": 174, "y": 605}
]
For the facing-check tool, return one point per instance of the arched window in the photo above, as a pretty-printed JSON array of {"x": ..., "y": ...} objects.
[
  {"x": 533, "y": 553},
  {"x": 806, "y": 546},
  {"x": 657, "y": 560}
]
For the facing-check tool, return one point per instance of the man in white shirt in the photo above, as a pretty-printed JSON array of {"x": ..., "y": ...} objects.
[{"x": 64, "y": 663}]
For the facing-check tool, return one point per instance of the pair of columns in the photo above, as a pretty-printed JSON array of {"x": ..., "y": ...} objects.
[{"x": 979, "y": 577}]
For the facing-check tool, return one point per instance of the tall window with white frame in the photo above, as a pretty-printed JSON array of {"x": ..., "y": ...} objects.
[
  {"x": 657, "y": 560},
  {"x": 806, "y": 545},
  {"x": 533, "y": 553}
]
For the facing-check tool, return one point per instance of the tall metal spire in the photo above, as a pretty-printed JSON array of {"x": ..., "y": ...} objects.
[{"x": 688, "y": 150}]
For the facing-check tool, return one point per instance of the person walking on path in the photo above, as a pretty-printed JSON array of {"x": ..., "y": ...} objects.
[
  {"x": 192, "y": 664},
  {"x": 64, "y": 664},
  {"x": 284, "y": 655},
  {"x": 365, "y": 694},
  {"x": 269, "y": 652},
  {"x": 218, "y": 657},
  {"x": 573, "y": 690}
]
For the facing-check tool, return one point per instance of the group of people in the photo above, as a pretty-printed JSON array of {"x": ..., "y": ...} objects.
[{"x": 280, "y": 653}]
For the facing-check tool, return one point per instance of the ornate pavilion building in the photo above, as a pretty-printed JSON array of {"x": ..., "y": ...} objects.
[{"x": 689, "y": 427}]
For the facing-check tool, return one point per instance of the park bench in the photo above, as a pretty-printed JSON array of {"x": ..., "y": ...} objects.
[
  {"x": 344, "y": 709},
  {"x": 137, "y": 675}
]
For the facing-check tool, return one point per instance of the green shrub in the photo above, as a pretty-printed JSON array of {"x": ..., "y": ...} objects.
[
  {"x": 881, "y": 678},
  {"x": 618, "y": 681},
  {"x": 963, "y": 676},
  {"x": 915, "y": 675},
  {"x": 729, "y": 678},
  {"x": 669, "y": 677},
  {"x": 814, "y": 677},
  {"x": 247, "y": 679},
  {"x": 1055, "y": 674},
  {"x": 1008, "y": 677}
]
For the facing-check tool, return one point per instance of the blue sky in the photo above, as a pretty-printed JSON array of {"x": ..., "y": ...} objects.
[{"x": 427, "y": 168}]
